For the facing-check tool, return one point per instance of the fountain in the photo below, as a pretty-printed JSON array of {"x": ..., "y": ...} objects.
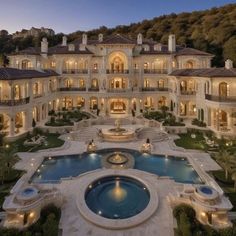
[
  {"x": 118, "y": 194},
  {"x": 118, "y": 134},
  {"x": 118, "y": 160}
]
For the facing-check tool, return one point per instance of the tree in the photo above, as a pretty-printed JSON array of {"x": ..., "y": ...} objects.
[
  {"x": 33, "y": 123},
  {"x": 227, "y": 161},
  {"x": 50, "y": 227},
  {"x": 230, "y": 49},
  {"x": 233, "y": 177}
]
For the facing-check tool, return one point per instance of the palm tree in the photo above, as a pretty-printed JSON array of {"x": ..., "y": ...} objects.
[
  {"x": 227, "y": 161},
  {"x": 233, "y": 177}
]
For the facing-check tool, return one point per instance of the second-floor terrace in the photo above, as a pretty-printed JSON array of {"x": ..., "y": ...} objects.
[
  {"x": 225, "y": 99},
  {"x": 15, "y": 102}
]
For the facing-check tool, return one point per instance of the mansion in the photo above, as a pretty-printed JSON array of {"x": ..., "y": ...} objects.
[{"x": 116, "y": 75}]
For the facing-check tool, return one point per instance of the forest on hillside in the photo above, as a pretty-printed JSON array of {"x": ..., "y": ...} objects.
[{"x": 212, "y": 30}]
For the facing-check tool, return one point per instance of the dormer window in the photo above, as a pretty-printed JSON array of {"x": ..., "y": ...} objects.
[
  {"x": 71, "y": 47},
  {"x": 146, "y": 48},
  {"x": 53, "y": 64},
  {"x": 157, "y": 47}
]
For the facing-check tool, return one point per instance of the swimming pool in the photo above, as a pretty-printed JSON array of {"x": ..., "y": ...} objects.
[{"x": 54, "y": 168}]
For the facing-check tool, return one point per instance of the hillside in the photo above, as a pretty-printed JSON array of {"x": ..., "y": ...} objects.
[{"x": 211, "y": 30}]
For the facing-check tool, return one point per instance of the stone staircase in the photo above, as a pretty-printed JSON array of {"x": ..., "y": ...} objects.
[
  {"x": 86, "y": 134},
  {"x": 154, "y": 134}
]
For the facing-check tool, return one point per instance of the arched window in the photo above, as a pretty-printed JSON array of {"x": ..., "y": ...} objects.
[
  {"x": 190, "y": 64},
  {"x": 223, "y": 89},
  {"x": 26, "y": 64}
]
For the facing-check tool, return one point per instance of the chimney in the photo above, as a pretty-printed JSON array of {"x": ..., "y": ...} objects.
[
  {"x": 172, "y": 43},
  {"x": 44, "y": 46},
  {"x": 228, "y": 64},
  {"x": 140, "y": 39},
  {"x": 64, "y": 41},
  {"x": 84, "y": 39},
  {"x": 100, "y": 38}
]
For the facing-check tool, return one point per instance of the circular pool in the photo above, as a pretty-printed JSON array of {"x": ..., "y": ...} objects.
[
  {"x": 117, "y": 197},
  {"x": 28, "y": 193},
  {"x": 206, "y": 193}
]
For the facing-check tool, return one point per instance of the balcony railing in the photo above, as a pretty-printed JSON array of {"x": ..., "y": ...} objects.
[
  {"x": 155, "y": 71},
  {"x": 75, "y": 71},
  {"x": 118, "y": 90},
  {"x": 220, "y": 98},
  {"x": 185, "y": 92},
  {"x": 96, "y": 89},
  {"x": 38, "y": 95},
  {"x": 117, "y": 71},
  {"x": 94, "y": 71},
  {"x": 154, "y": 89},
  {"x": 72, "y": 89},
  {"x": 17, "y": 102}
]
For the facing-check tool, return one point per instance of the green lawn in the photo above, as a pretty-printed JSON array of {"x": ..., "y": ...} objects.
[
  {"x": 52, "y": 142},
  {"x": 187, "y": 142},
  {"x": 8, "y": 175},
  {"x": 227, "y": 185}
]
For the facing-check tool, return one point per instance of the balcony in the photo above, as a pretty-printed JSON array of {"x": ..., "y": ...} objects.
[
  {"x": 118, "y": 90},
  {"x": 75, "y": 71},
  {"x": 72, "y": 89},
  {"x": 155, "y": 71},
  {"x": 117, "y": 71},
  {"x": 93, "y": 89},
  {"x": 38, "y": 95},
  {"x": 18, "y": 102},
  {"x": 151, "y": 89},
  {"x": 220, "y": 98},
  {"x": 94, "y": 71},
  {"x": 186, "y": 92}
]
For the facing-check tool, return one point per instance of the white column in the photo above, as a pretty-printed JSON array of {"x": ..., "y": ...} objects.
[{"x": 137, "y": 106}]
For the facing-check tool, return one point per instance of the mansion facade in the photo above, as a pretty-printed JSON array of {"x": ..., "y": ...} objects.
[{"x": 116, "y": 75}]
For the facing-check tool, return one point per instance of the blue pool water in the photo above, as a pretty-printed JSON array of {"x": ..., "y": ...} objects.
[
  {"x": 52, "y": 170},
  {"x": 117, "y": 197},
  {"x": 206, "y": 190},
  {"x": 28, "y": 192}
]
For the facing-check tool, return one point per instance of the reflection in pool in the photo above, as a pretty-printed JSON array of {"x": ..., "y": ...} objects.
[{"x": 55, "y": 168}]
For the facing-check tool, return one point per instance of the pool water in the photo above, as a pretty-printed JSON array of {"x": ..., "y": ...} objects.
[
  {"x": 55, "y": 168},
  {"x": 117, "y": 197},
  {"x": 206, "y": 190},
  {"x": 28, "y": 192}
]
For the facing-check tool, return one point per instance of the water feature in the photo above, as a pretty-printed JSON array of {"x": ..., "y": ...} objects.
[
  {"x": 54, "y": 168},
  {"x": 117, "y": 197}
]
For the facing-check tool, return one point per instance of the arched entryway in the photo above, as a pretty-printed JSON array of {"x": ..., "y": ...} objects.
[{"x": 118, "y": 106}]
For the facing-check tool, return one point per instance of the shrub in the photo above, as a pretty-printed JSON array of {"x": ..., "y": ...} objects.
[
  {"x": 33, "y": 123},
  {"x": 189, "y": 211},
  {"x": 52, "y": 119},
  {"x": 184, "y": 224},
  {"x": 50, "y": 227},
  {"x": 51, "y": 112},
  {"x": 198, "y": 123}
]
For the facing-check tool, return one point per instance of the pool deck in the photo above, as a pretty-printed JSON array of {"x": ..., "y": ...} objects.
[{"x": 161, "y": 223}]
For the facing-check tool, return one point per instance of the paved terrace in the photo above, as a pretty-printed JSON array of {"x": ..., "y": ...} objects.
[{"x": 161, "y": 223}]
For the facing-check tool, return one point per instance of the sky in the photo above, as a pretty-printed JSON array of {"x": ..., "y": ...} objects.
[{"x": 68, "y": 16}]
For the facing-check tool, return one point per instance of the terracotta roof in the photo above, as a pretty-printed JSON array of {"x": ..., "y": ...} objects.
[
  {"x": 14, "y": 74},
  {"x": 114, "y": 39},
  {"x": 209, "y": 72},
  {"x": 28, "y": 51},
  {"x": 191, "y": 51},
  {"x": 180, "y": 51},
  {"x": 117, "y": 39},
  {"x": 59, "y": 49}
]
